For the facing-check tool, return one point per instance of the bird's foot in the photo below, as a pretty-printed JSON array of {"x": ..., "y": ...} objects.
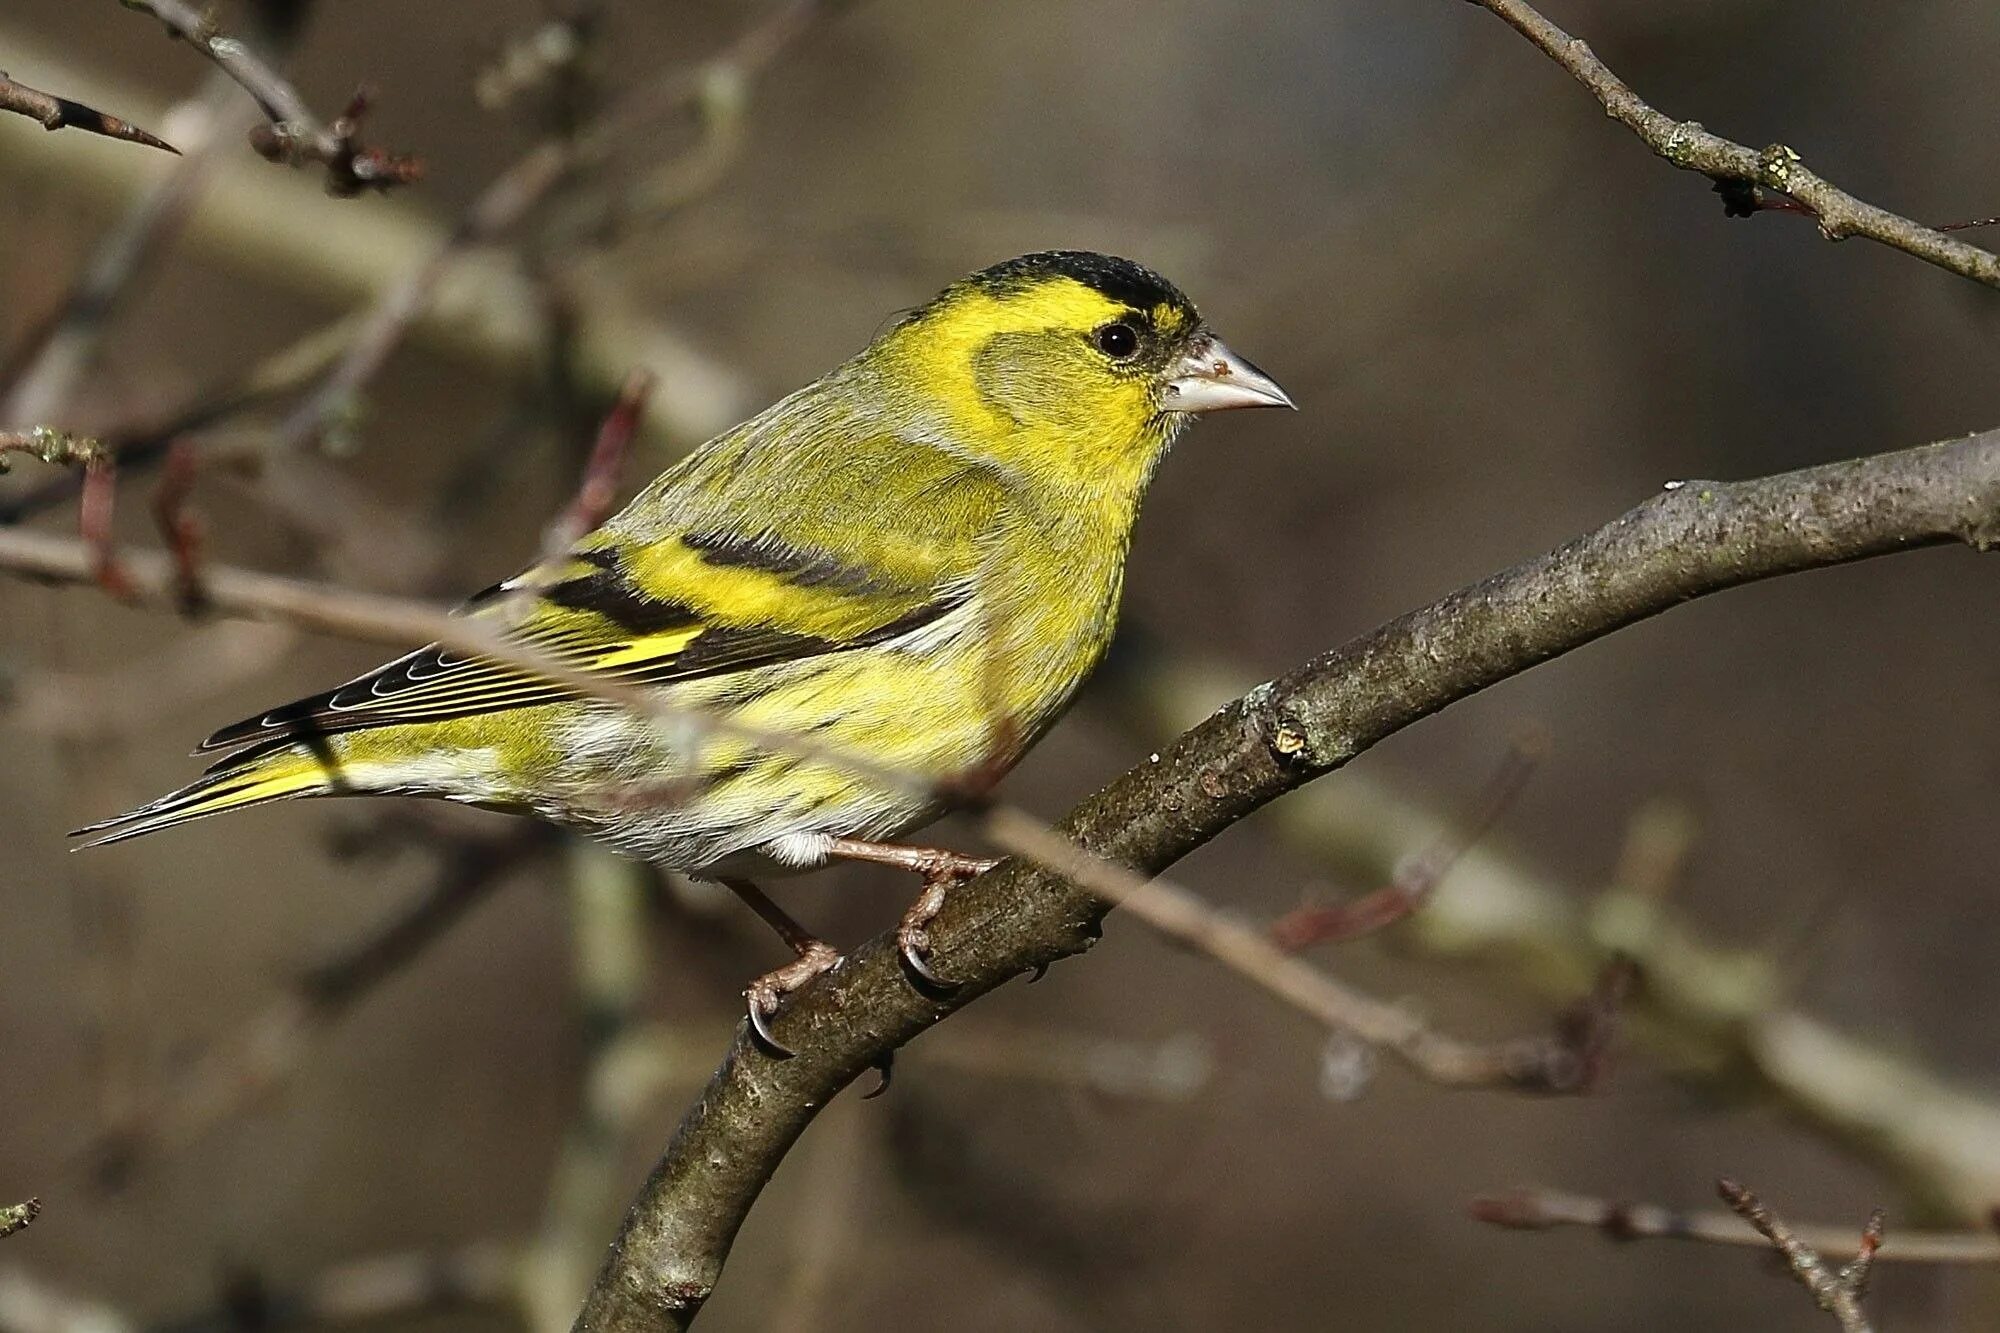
[
  {"x": 941, "y": 871},
  {"x": 763, "y": 995}
]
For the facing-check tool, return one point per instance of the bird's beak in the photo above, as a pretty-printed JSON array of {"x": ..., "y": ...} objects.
[{"x": 1211, "y": 378}]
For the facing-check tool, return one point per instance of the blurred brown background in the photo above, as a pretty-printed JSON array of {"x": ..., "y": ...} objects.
[{"x": 1504, "y": 322}]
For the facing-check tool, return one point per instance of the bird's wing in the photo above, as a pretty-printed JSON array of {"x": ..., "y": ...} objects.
[{"x": 644, "y": 604}]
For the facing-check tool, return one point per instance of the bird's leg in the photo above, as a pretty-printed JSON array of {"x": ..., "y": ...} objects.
[
  {"x": 814, "y": 957},
  {"x": 941, "y": 870}
]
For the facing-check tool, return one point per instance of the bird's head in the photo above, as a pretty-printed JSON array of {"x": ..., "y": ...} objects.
[{"x": 1067, "y": 366}]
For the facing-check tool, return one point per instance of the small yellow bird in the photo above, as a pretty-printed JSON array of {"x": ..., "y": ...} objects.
[{"x": 914, "y": 560}]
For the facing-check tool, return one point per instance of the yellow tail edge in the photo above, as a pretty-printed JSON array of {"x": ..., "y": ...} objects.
[{"x": 274, "y": 778}]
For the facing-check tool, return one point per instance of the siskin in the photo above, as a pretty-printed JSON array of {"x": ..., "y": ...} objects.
[{"x": 914, "y": 560}]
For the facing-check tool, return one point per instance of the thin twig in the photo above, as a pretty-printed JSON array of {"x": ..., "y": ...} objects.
[
  {"x": 1687, "y": 145},
  {"x": 178, "y": 527},
  {"x": 1535, "y": 1064},
  {"x": 1837, "y": 1293},
  {"x": 1546, "y": 1210},
  {"x": 294, "y": 135},
  {"x": 17, "y": 1217},
  {"x": 59, "y": 448},
  {"x": 59, "y": 113}
]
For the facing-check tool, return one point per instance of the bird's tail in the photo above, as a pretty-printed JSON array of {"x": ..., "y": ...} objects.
[{"x": 269, "y": 773}]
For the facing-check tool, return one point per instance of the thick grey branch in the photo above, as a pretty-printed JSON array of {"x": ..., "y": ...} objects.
[
  {"x": 1691, "y": 540},
  {"x": 1689, "y": 146}
]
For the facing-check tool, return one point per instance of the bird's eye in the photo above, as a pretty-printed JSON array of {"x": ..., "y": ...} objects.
[{"x": 1118, "y": 340}]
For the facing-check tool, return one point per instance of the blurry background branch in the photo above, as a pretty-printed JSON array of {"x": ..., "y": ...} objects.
[
  {"x": 1546, "y": 1210},
  {"x": 1719, "y": 1017},
  {"x": 523, "y": 186},
  {"x": 44, "y": 371},
  {"x": 285, "y": 232},
  {"x": 1693, "y": 539},
  {"x": 1689, "y": 146}
]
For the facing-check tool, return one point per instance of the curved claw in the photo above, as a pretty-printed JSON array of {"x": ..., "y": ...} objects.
[
  {"x": 913, "y": 959},
  {"x": 1041, "y": 970},
  {"x": 760, "y": 1027}
]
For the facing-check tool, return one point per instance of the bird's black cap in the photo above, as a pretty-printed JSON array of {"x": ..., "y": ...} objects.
[{"x": 1120, "y": 279}]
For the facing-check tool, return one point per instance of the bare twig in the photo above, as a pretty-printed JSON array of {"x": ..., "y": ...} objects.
[
  {"x": 59, "y": 113},
  {"x": 1537, "y": 1065},
  {"x": 151, "y": 437},
  {"x": 1545, "y": 1210},
  {"x": 178, "y": 527},
  {"x": 57, "y": 447},
  {"x": 1687, "y": 145},
  {"x": 1837, "y": 1293},
  {"x": 17, "y": 1217},
  {"x": 294, "y": 135}
]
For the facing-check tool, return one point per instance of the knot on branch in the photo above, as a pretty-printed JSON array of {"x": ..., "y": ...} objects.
[{"x": 351, "y": 166}]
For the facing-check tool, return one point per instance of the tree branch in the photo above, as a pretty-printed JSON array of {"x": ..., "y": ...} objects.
[
  {"x": 1839, "y": 1294},
  {"x": 1689, "y": 146},
  {"x": 1692, "y": 539},
  {"x": 1546, "y": 1210},
  {"x": 16, "y": 1217},
  {"x": 294, "y": 135},
  {"x": 60, "y": 113}
]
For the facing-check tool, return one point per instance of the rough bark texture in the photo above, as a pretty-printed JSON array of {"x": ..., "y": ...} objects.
[{"x": 1691, "y": 539}]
